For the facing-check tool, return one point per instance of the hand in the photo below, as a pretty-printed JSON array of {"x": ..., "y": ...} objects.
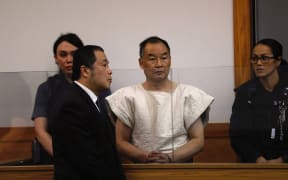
[
  {"x": 164, "y": 158},
  {"x": 153, "y": 156},
  {"x": 157, "y": 157},
  {"x": 277, "y": 160},
  {"x": 149, "y": 157},
  {"x": 261, "y": 159}
]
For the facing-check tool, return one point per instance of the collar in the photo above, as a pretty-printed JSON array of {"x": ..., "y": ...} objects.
[{"x": 88, "y": 91}]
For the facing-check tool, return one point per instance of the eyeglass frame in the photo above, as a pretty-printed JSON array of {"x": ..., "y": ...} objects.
[{"x": 263, "y": 59}]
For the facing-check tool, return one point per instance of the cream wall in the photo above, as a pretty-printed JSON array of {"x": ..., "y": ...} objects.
[{"x": 200, "y": 33}]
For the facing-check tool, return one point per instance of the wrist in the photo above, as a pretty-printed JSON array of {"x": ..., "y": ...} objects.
[{"x": 141, "y": 158}]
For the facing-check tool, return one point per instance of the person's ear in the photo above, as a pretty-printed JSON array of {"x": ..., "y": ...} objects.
[
  {"x": 84, "y": 71},
  {"x": 140, "y": 61},
  {"x": 55, "y": 59},
  {"x": 278, "y": 62}
]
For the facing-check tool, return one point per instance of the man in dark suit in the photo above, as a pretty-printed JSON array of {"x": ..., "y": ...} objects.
[{"x": 83, "y": 136}]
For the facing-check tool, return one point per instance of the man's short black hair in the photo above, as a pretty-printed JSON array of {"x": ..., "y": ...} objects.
[
  {"x": 153, "y": 40},
  {"x": 84, "y": 56}
]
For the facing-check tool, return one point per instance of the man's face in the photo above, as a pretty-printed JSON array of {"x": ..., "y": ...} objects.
[
  {"x": 155, "y": 62},
  {"x": 64, "y": 57},
  {"x": 101, "y": 74}
]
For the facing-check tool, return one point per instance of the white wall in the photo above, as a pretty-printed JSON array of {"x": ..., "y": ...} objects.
[{"x": 200, "y": 33}]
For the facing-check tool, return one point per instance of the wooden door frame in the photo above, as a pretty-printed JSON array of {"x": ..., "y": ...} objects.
[{"x": 242, "y": 24}]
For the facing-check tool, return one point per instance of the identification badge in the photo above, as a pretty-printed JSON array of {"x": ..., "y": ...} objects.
[{"x": 272, "y": 133}]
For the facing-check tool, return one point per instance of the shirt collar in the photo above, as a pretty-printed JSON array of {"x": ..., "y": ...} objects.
[{"x": 88, "y": 91}]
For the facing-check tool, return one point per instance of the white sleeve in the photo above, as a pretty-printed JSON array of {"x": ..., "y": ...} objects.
[
  {"x": 196, "y": 103},
  {"x": 120, "y": 103}
]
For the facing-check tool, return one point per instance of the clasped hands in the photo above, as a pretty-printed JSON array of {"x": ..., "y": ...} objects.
[
  {"x": 262, "y": 159},
  {"x": 158, "y": 157}
]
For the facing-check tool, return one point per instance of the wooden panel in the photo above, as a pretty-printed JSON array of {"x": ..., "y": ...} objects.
[
  {"x": 206, "y": 172},
  {"x": 216, "y": 171},
  {"x": 242, "y": 40},
  {"x": 26, "y": 172},
  {"x": 16, "y": 143},
  {"x": 217, "y": 145}
]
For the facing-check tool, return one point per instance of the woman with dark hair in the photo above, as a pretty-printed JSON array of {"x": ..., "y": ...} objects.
[
  {"x": 258, "y": 124},
  {"x": 63, "y": 49}
]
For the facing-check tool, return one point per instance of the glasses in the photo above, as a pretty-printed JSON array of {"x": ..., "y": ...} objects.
[{"x": 263, "y": 59}]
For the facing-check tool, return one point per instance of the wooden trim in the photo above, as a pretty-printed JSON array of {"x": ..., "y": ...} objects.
[
  {"x": 203, "y": 171},
  {"x": 242, "y": 40},
  {"x": 206, "y": 166}
]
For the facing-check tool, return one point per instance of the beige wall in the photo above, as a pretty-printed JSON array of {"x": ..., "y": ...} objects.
[{"x": 200, "y": 33}]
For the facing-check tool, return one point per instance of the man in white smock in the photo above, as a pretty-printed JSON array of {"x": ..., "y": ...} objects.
[{"x": 159, "y": 121}]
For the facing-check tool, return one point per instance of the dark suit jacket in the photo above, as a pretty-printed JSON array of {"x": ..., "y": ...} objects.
[{"x": 83, "y": 139}]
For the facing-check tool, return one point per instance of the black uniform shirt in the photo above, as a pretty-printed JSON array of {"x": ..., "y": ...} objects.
[{"x": 255, "y": 128}]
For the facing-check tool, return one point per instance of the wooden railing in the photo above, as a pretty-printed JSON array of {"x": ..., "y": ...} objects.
[
  {"x": 16, "y": 144},
  {"x": 195, "y": 171}
]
